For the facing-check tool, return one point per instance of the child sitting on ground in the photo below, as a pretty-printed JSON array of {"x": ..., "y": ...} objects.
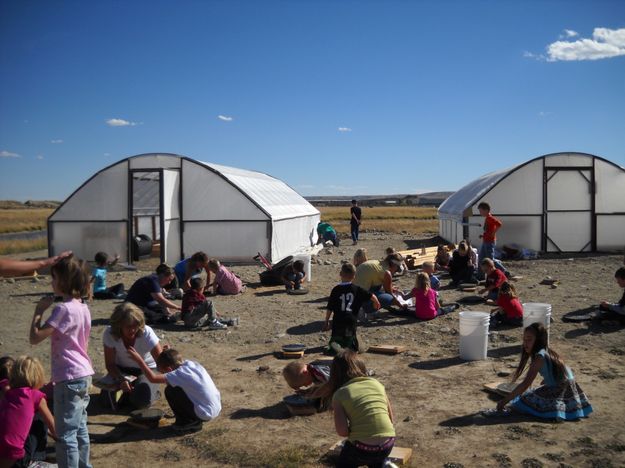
[
  {"x": 225, "y": 281},
  {"x": 21, "y": 401},
  {"x": 494, "y": 279},
  {"x": 461, "y": 266},
  {"x": 443, "y": 257},
  {"x": 98, "y": 278},
  {"x": 510, "y": 310},
  {"x": 427, "y": 302},
  {"x": 559, "y": 397},
  {"x": 293, "y": 275},
  {"x": 428, "y": 268},
  {"x": 608, "y": 311},
  {"x": 190, "y": 391},
  {"x": 345, "y": 301},
  {"x": 197, "y": 311}
]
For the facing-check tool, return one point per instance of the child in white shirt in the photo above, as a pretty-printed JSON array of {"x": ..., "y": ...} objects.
[{"x": 190, "y": 391}]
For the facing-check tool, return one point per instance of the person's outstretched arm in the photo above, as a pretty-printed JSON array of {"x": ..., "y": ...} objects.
[
  {"x": 519, "y": 389},
  {"x": 151, "y": 376},
  {"x": 10, "y": 267}
]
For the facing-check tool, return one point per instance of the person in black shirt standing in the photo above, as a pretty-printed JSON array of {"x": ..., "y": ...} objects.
[
  {"x": 344, "y": 303},
  {"x": 356, "y": 216}
]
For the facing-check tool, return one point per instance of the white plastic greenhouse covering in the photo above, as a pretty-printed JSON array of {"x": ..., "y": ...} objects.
[
  {"x": 568, "y": 202},
  {"x": 188, "y": 205}
]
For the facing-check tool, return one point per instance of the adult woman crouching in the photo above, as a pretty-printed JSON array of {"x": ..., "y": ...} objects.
[{"x": 127, "y": 328}]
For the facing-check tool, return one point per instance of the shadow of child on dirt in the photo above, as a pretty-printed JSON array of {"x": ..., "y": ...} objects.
[{"x": 276, "y": 411}]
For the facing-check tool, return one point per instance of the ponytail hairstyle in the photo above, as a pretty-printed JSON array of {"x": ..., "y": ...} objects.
[
  {"x": 423, "y": 282},
  {"x": 541, "y": 342}
]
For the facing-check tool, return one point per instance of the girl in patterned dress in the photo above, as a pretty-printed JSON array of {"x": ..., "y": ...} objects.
[{"x": 559, "y": 397}]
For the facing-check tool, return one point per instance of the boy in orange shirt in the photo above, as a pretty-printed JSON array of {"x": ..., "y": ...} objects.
[{"x": 489, "y": 237}]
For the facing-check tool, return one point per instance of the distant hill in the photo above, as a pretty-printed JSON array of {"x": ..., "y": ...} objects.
[
  {"x": 16, "y": 205},
  {"x": 422, "y": 199}
]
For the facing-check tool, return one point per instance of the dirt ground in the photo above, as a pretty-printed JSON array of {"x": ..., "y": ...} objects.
[{"x": 435, "y": 395}]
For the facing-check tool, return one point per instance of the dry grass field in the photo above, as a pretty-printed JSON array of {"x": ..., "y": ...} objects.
[
  {"x": 17, "y": 220},
  {"x": 25, "y": 245},
  {"x": 396, "y": 219}
]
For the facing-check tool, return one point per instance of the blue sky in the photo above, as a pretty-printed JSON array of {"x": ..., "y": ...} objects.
[{"x": 334, "y": 97}]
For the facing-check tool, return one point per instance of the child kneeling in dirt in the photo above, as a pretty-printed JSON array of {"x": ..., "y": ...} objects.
[
  {"x": 190, "y": 391},
  {"x": 309, "y": 381},
  {"x": 293, "y": 275},
  {"x": 615, "y": 311},
  {"x": 345, "y": 301},
  {"x": 510, "y": 310},
  {"x": 197, "y": 311}
]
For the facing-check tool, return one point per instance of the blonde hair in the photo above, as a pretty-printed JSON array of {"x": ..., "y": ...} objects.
[
  {"x": 26, "y": 372},
  {"x": 213, "y": 264},
  {"x": 360, "y": 256},
  {"x": 423, "y": 282},
  {"x": 126, "y": 314},
  {"x": 463, "y": 246},
  {"x": 71, "y": 276},
  {"x": 292, "y": 372},
  {"x": 428, "y": 265}
]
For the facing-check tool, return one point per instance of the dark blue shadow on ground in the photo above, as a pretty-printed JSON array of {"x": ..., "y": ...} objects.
[
  {"x": 276, "y": 411},
  {"x": 306, "y": 328},
  {"x": 436, "y": 364},
  {"x": 477, "y": 419}
]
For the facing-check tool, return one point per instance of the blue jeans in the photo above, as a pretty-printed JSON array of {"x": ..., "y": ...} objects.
[
  {"x": 385, "y": 299},
  {"x": 355, "y": 227},
  {"x": 487, "y": 250},
  {"x": 71, "y": 398}
]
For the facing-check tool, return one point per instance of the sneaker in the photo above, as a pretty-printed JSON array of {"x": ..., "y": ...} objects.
[
  {"x": 217, "y": 325},
  {"x": 192, "y": 426}
]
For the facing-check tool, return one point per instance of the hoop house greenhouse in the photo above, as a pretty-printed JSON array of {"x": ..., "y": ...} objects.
[
  {"x": 562, "y": 202},
  {"x": 182, "y": 206}
]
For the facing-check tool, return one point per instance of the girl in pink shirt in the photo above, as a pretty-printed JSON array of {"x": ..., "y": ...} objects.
[
  {"x": 18, "y": 407},
  {"x": 225, "y": 282},
  {"x": 426, "y": 300},
  {"x": 68, "y": 328}
]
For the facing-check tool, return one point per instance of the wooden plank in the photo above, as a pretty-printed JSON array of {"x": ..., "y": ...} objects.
[
  {"x": 386, "y": 349},
  {"x": 399, "y": 455}
]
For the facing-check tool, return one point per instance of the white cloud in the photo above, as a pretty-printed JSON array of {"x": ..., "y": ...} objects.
[
  {"x": 569, "y": 33},
  {"x": 605, "y": 43},
  {"x": 56, "y": 142},
  {"x": 40, "y": 156},
  {"x": 225, "y": 118},
  {"x": 344, "y": 129},
  {"x": 120, "y": 123},
  {"x": 8, "y": 154}
]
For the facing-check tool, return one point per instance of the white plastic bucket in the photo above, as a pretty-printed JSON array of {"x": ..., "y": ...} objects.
[
  {"x": 474, "y": 335},
  {"x": 537, "y": 312},
  {"x": 307, "y": 268}
]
